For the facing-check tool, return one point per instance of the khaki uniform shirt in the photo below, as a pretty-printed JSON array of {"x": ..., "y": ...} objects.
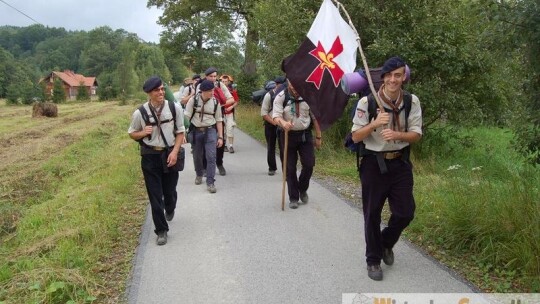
[
  {"x": 288, "y": 113},
  {"x": 265, "y": 105},
  {"x": 184, "y": 91},
  {"x": 156, "y": 140},
  {"x": 375, "y": 142},
  {"x": 203, "y": 115}
]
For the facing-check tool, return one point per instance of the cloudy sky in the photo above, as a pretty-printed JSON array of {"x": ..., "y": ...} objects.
[{"x": 130, "y": 15}]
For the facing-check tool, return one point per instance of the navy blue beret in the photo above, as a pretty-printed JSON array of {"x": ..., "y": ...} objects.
[
  {"x": 392, "y": 64},
  {"x": 210, "y": 71},
  {"x": 206, "y": 85},
  {"x": 151, "y": 83},
  {"x": 196, "y": 76},
  {"x": 269, "y": 85},
  {"x": 280, "y": 79}
]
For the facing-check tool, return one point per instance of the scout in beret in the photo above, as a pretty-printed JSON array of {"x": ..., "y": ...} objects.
[
  {"x": 385, "y": 168},
  {"x": 160, "y": 141}
]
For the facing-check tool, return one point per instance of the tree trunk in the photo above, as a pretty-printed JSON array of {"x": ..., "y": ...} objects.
[{"x": 252, "y": 40}]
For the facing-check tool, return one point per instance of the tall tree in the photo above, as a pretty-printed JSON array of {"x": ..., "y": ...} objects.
[
  {"x": 59, "y": 94},
  {"x": 126, "y": 77},
  {"x": 199, "y": 30}
]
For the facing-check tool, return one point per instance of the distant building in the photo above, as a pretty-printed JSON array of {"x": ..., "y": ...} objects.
[{"x": 71, "y": 82}]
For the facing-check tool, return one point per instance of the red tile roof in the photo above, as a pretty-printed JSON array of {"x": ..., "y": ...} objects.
[{"x": 74, "y": 80}]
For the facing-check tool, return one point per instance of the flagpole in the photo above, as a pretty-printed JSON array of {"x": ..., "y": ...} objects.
[
  {"x": 364, "y": 61},
  {"x": 286, "y": 147}
]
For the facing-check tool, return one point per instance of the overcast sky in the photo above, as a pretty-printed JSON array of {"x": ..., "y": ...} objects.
[{"x": 130, "y": 15}]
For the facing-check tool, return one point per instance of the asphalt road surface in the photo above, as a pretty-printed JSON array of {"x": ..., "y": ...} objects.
[{"x": 238, "y": 246}]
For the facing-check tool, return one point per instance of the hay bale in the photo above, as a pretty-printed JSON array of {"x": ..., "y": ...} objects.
[{"x": 47, "y": 109}]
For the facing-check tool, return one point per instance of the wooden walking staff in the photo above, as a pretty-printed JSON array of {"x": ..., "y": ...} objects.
[
  {"x": 364, "y": 61},
  {"x": 285, "y": 149}
]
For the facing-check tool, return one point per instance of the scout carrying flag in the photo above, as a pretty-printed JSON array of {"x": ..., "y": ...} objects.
[{"x": 315, "y": 70}]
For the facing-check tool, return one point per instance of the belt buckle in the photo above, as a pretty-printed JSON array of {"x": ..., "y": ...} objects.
[
  {"x": 158, "y": 148},
  {"x": 392, "y": 155}
]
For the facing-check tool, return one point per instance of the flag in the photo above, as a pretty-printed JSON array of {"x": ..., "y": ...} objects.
[{"x": 327, "y": 53}]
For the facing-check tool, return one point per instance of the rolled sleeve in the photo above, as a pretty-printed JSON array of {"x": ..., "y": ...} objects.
[
  {"x": 265, "y": 106},
  {"x": 415, "y": 117},
  {"x": 361, "y": 115},
  {"x": 180, "y": 128},
  {"x": 278, "y": 105},
  {"x": 136, "y": 122}
]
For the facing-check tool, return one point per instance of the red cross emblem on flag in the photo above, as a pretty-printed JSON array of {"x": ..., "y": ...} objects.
[{"x": 326, "y": 62}]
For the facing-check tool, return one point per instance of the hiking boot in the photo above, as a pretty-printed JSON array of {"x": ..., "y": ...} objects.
[
  {"x": 388, "y": 256},
  {"x": 211, "y": 188},
  {"x": 304, "y": 197},
  {"x": 293, "y": 204},
  {"x": 198, "y": 180},
  {"x": 169, "y": 216},
  {"x": 226, "y": 149},
  {"x": 271, "y": 172},
  {"x": 162, "y": 238},
  {"x": 374, "y": 272},
  {"x": 231, "y": 149},
  {"x": 222, "y": 170}
]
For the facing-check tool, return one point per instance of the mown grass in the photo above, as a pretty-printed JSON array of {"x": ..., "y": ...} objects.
[
  {"x": 477, "y": 201},
  {"x": 73, "y": 237}
]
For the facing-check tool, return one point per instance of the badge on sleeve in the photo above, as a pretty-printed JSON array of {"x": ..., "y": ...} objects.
[{"x": 360, "y": 113}]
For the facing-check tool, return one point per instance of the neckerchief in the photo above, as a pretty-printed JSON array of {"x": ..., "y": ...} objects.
[{"x": 394, "y": 105}]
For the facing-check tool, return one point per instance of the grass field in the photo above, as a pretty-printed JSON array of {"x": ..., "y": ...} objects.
[{"x": 72, "y": 203}]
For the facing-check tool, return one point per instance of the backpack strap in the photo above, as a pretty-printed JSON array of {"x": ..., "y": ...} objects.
[
  {"x": 407, "y": 105},
  {"x": 172, "y": 107},
  {"x": 147, "y": 122}
]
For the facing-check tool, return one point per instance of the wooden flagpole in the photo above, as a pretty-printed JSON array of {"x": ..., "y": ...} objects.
[
  {"x": 286, "y": 148},
  {"x": 364, "y": 61}
]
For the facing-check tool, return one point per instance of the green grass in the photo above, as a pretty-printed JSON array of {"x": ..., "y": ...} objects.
[
  {"x": 83, "y": 221},
  {"x": 477, "y": 201}
]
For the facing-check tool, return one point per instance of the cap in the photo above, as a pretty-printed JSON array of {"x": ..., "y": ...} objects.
[
  {"x": 206, "y": 85},
  {"x": 280, "y": 79},
  {"x": 151, "y": 83},
  {"x": 227, "y": 77},
  {"x": 392, "y": 64},
  {"x": 210, "y": 71},
  {"x": 196, "y": 76}
]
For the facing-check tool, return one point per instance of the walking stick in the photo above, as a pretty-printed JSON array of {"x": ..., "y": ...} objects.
[{"x": 284, "y": 169}]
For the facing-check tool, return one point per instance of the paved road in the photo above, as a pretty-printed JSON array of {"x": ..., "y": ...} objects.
[{"x": 237, "y": 246}]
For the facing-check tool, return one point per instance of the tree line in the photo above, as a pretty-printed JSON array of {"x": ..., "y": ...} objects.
[
  {"x": 473, "y": 62},
  {"x": 120, "y": 60}
]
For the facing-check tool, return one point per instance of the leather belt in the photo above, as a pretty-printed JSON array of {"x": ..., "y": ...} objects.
[
  {"x": 203, "y": 129},
  {"x": 155, "y": 148},
  {"x": 392, "y": 155}
]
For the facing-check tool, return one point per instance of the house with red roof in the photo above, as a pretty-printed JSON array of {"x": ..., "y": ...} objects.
[{"x": 71, "y": 82}]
